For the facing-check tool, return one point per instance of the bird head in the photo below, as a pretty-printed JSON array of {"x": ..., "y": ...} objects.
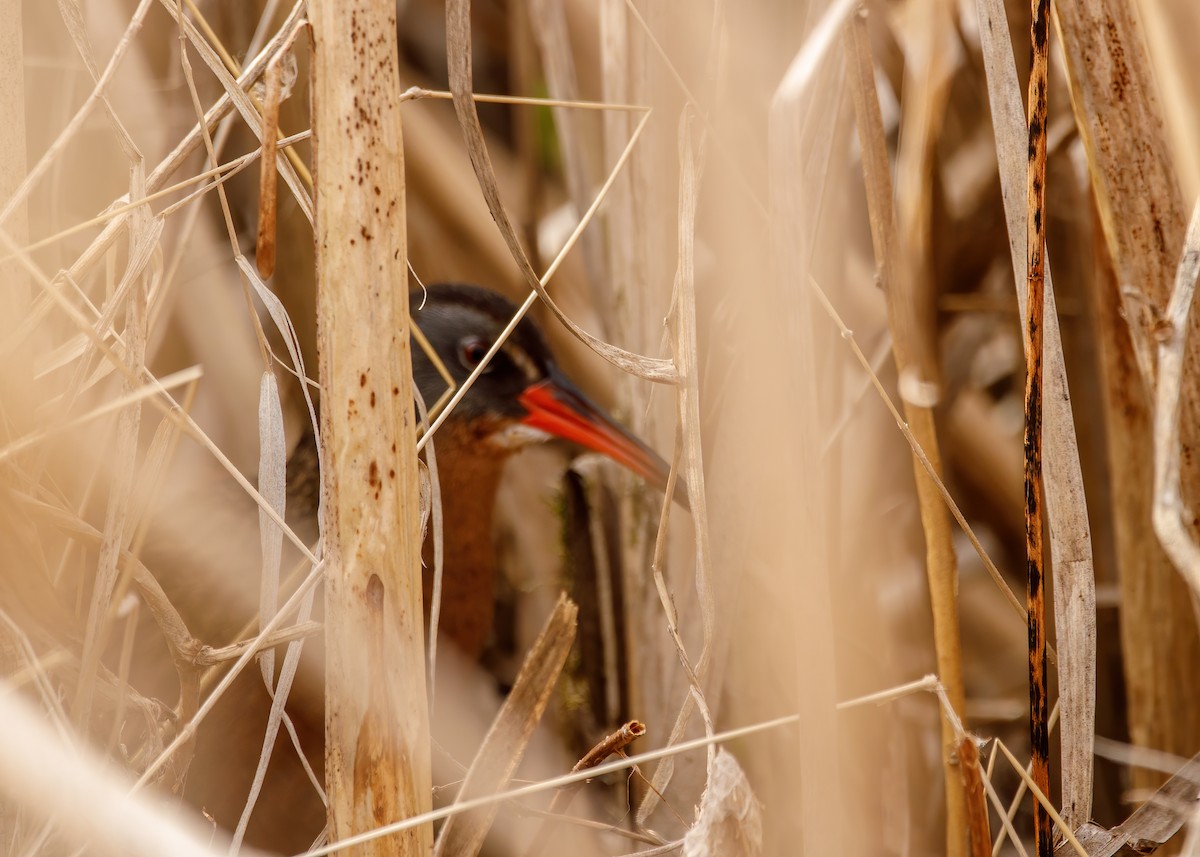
[{"x": 522, "y": 397}]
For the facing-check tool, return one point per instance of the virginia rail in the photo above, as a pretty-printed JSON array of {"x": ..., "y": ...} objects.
[{"x": 521, "y": 398}]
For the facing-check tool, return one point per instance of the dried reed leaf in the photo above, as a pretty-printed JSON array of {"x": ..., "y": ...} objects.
[
  {"x": 504, "y": 747},
  {"x": 1152, "y": 825},
  {"x": 437, "y": 533},
  {"x": 730, "y": 822},
  {"x": 279, "y": 696},
  {"x": 291, "y": 341}
]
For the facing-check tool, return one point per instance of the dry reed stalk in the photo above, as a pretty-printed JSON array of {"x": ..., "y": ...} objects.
[
  {"x": 1039, "y": 730},
  {"x": 502, "y": 750},
  {"x": 1066, "y": 505},
  {"x": 927, "y": 38},
  {"x": 15, "y": 294},
  {"x": 1142, "y": 216},
  {"x": 976, "y": 804},
  {"x": 377, "y": 729},
  {"x": 605, "y": 747},
  {"x": 786, "y": 529},
  {"x": 919, "y": 370},
  {"x": 264, "y": 256},
  {"x": 12, "y": 159}
]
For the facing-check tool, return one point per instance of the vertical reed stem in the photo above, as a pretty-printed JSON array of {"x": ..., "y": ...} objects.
[
  {"x": 376, "y": 727},
  {"x": 1039, "y": 733}
]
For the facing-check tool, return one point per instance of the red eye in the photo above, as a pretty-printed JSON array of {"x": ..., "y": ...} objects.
[{"x": 471, "y": 352}]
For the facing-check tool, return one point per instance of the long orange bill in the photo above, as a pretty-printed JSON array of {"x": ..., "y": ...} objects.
[{"x": 558, "y": 407}]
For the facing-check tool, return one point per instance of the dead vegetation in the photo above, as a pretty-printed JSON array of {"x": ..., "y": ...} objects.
[{"x": 778, "y": 240}]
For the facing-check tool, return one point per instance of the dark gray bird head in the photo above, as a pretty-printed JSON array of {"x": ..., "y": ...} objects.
[{"x": 522, "y": 396}]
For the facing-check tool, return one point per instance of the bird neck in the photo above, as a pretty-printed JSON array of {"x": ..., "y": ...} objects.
[{"x": 468, "y": 474}]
